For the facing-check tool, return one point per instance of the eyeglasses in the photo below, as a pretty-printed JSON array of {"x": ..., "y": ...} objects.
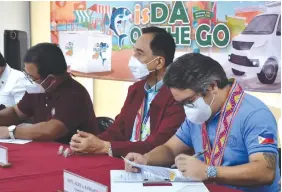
[
  {"x": 30, "y": 78},
  {"x": 189, "y": 102}
]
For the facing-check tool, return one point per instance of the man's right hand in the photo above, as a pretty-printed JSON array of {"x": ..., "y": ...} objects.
[{"x": 136, "y": 158}]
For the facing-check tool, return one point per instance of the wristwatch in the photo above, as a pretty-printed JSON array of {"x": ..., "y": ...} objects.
[
  {"x": 110, "y": 152},
  {"x": 11, "y": 131},
  {"x": 211, "y": 172}
]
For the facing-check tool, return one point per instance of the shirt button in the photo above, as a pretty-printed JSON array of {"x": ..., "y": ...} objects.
[{"x": 46, "y": 105}]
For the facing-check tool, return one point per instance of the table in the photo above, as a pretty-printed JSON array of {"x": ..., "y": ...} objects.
[{"x": 37, "y": 167}]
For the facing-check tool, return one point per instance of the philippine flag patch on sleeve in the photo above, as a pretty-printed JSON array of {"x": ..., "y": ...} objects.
[{"x": 266, "y": 138}]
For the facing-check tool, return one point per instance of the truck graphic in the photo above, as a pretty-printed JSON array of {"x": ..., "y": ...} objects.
[{"x": 258, "y": 48}]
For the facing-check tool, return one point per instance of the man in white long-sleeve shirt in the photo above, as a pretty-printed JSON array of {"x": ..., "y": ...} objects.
[{"x": 12, "y": 84}]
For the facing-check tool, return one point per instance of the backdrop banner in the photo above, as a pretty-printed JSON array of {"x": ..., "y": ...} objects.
[{"x": 97, "y": 37}]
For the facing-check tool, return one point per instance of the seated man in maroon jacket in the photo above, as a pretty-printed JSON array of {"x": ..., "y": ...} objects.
[
  {"x": 58, "y": 104},
  {"x": 149, "y": 116}
]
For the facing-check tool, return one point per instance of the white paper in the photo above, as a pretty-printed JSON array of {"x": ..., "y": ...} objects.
[
  {"x": 3, "y": 155},
  {"x": 138, "y": 186},
  {"x": 75, "y": 183},
  {"x": 137, "y": 177},
  {"x": 162, "y": 172},
  {"x": 15, "y": 141},
  {"x": 128, "y": 177},
  {"x": 197, "y": 188}
]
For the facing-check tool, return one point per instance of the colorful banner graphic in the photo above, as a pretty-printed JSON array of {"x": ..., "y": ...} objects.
[{"x": 243, "y": 36}]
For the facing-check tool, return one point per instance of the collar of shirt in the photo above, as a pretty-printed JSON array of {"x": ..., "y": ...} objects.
[
  {"x": 5, "y": 74},
  {"x": 214, "y": 118},
  {"x": 157, "y": 86}
]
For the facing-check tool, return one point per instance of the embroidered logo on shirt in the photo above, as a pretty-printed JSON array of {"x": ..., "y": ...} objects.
[
  {"x": 232, "y": 141},
  {"x": 53, "y": 112},
  {"x": 266, "y": 138}
]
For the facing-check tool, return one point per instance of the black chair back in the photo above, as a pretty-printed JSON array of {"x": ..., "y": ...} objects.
[{"x": 104, "y": 123}]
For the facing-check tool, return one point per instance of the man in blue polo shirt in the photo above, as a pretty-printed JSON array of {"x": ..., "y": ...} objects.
[{"x": 233, "y": 133}]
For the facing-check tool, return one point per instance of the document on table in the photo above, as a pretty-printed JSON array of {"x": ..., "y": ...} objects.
[
  {"x": 15, "y": 141},
  {"x": 128, "y": 177},
  {"x": 124, "y": 181},
  {"x": 161, "y": 172}
]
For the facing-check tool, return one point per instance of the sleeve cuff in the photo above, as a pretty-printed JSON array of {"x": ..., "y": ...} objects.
[
  {"x": 183, "y": 140},
  {"x": 261, "y": 149}
]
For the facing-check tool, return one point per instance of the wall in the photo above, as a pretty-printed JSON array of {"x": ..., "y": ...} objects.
[
  {"x": 14, "y": 15},
  {"x": 40, "y": 21},
  {"x": 108, "y": 96}
]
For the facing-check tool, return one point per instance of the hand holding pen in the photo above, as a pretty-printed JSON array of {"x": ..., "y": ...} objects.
[{"x": 196, "y": 155}]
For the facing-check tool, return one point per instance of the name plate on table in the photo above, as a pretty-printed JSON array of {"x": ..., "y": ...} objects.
[
  {"x": 4, "y": 157},
  {"x": 76, "y": 183}
]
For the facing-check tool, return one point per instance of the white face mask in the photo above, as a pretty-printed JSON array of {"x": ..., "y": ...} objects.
[
  {"x": 34, "y": 88},
  {"x": 200, "y": 112},
  {"x": 138, "y": 69}
]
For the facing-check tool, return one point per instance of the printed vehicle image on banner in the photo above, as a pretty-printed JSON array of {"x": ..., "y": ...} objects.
[
  {"x": 243, "y": 36},
  {"x": 258, "y": 48}
]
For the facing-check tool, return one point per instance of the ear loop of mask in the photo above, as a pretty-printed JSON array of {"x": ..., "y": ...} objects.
[
  {"x": 156, "y": 76},
  {"x": 151, "y": 62},
  {"x": 212, "y": 100},
  {"x": 43, "y": 82},
  {"x": 205, "y": 89}
]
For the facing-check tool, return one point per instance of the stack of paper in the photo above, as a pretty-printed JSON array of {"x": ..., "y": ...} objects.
[
  {"x": 161, "y": 172},
  {"x": 124, "y": 181}
]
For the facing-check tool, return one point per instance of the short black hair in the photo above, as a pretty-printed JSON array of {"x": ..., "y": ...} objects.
[
  {"x": 2, "y": 61},
  {"x": 195, "y": 71},
  {"x": 162, "y": 43},
  {"x": 48, "y": 58}
]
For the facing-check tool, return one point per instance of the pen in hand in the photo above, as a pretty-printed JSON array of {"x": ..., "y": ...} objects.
[{"x": 196, "y": 155}]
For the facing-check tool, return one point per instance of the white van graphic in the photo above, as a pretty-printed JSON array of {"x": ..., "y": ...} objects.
[{"x": 258, "y": 48}]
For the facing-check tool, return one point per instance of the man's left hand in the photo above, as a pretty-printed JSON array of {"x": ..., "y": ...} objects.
[
  {"x": 4, "y": 132},
  {"x": 191, "y": 167},
  {"x": 83, "y": 142}
]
